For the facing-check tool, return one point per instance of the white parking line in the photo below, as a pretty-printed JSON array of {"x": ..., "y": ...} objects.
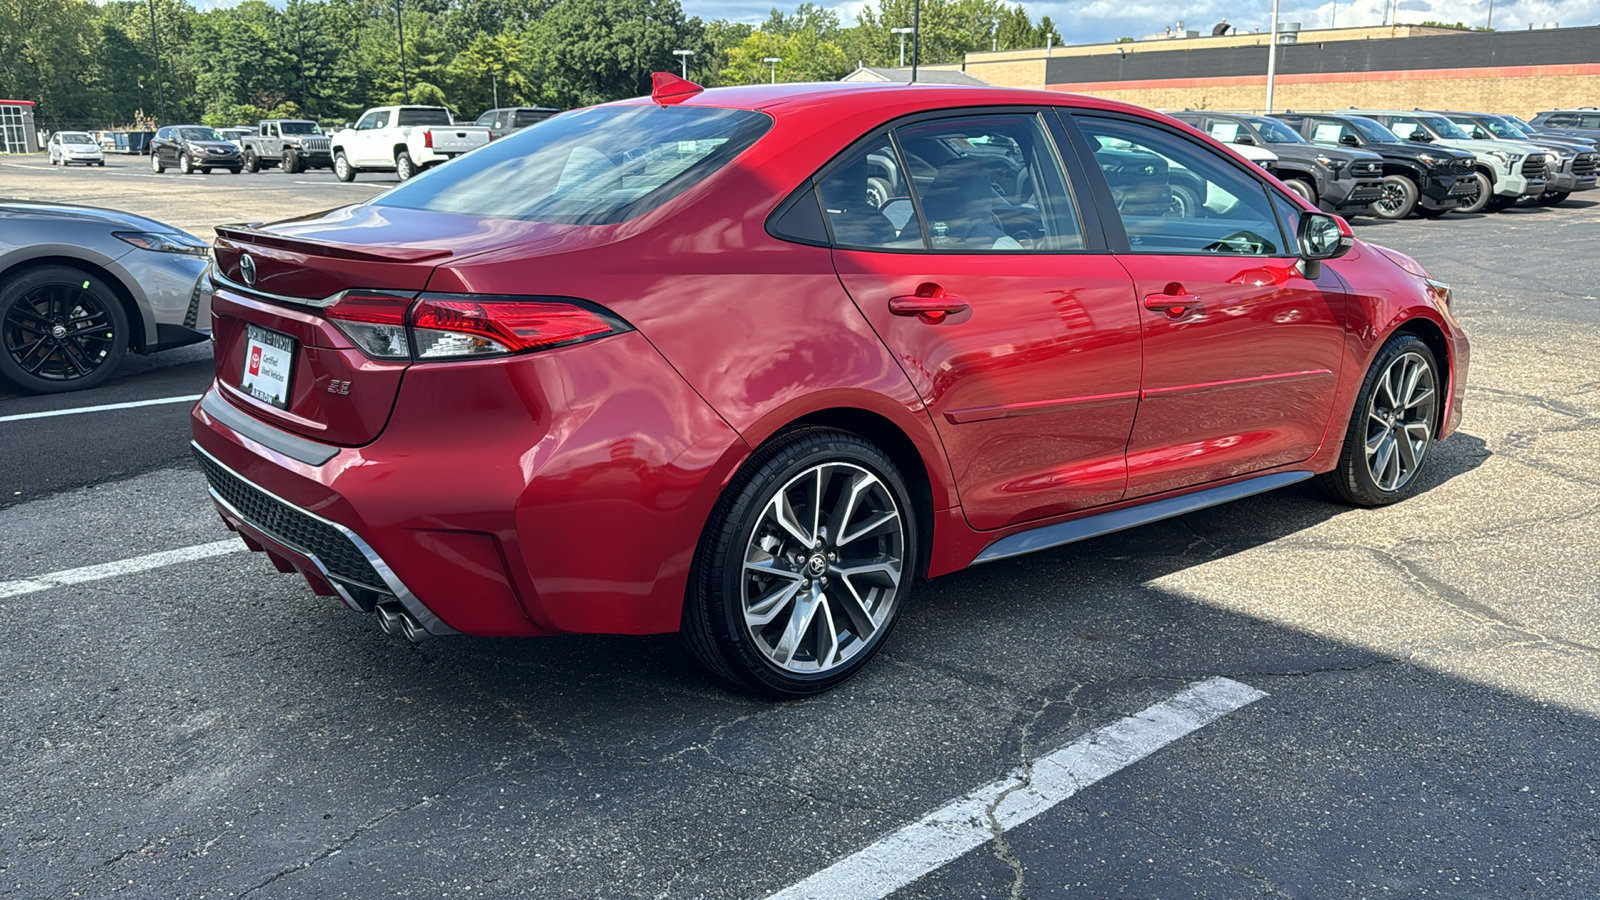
[
  {"x": 187, "y": 398},
  {"x": 120, "y": 567},
  {"x": 968, "y": 822}
]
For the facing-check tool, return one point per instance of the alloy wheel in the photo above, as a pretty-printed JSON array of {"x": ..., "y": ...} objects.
[
  {"x": 1400, "y": 416},
  {"x": 1392, "y": 200},
  {"x": 58, "y": 332},
  {"x": 822, "y": 568}
]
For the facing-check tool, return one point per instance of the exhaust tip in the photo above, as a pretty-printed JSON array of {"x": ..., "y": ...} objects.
[{"x": 396, "y": 621}]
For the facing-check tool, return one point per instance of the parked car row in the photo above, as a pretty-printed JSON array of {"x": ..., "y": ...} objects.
[{"x": 1395, "y": 163}]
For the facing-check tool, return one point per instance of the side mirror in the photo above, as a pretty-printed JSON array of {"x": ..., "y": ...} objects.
[
  {"x": 1322, "y": 236},
  {"x": 1245, "y": 139},
  {"x": 1420, "y": 136},
  {"x": 1349, "y": 140}
]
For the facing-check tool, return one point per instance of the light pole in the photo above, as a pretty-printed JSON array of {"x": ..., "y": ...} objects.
[
  {"x": 683, "y": 57},
  {"x": 773, "y": 62},
  {"x": 1272, "y": 56},
  {"x": 996, "y": 47},
  {"x": 494, "y": 80},
  {"x": 902, "y": 32},
  {"x": 400, "y": 28},
  {"x": 155, "y": 47},
  {"x": 916, "y": 37}
]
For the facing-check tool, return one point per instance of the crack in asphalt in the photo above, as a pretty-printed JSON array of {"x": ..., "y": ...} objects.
[
  {"x": 1274, "y": 888},
  {"x": 338, "y": 846}
]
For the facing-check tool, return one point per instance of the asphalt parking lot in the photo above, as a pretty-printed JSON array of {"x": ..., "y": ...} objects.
[{"x": 1280, "y": 698}]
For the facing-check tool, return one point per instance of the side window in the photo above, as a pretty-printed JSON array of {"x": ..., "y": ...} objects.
[
  {"x": 1224, "y": 131},
  {"x": 485, "y": 119},
  {"x": 1175, "y": 196},
  {"x": 1591, "y": 121},
  {"x": 1562, "y": 120},
  {"x": 380, "y": 120},
  {"x": 990, "y": 183},
  {"x": 868, "y": 202},
  {"x": 366, "y": 121},
  {"x": 1325, "y": 132},
  {"x": 1403, "y": 127}
]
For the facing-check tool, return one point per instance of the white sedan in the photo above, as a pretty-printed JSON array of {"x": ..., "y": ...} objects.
[{"x": 68, "y": 147}]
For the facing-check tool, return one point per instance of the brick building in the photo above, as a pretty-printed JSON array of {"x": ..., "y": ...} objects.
[{"x": 1398, "y": 66}]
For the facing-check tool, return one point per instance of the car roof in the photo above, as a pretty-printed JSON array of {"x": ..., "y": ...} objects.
[{"x": 834, "y": 98}]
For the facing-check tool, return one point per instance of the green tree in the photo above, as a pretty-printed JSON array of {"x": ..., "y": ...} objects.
[
  {"x": 501, "y": 59},
  {"x": 592, "y": 51}
]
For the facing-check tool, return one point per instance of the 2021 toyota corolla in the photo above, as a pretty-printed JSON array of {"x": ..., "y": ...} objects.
[{"x": 746, "y": 363}]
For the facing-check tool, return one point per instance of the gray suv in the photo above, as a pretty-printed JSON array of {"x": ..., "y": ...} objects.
[
  {"x": 1336, "y": 179},
  {"x": 293, "y": 144},
  {"x": 1581, "y": 122}
]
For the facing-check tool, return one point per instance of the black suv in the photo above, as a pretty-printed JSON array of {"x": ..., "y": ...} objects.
[
  {"x": 1582, "y": 122},
  {"x": 191, "y": 147},
  {"x": 1574, "y": 162},
  {"x": 502, "y": 122},
  {"x": 1337, "y": 179},
  {"x": 1427, "y": 179}
]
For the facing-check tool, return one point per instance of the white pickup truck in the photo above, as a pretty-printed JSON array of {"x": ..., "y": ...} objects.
[{"x": 402, "y": 139}]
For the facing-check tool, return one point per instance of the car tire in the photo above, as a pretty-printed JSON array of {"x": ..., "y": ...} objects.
[
  {"x": 291, "y": 162},
  {"x": 342, "y": 168},
  {"x": 205, "y": 170},
  {"x": 34, "y": 303},
  {"x": 1399, "y": 198},
  {"x": 101, "y": 164},
  {"x": 156, "y": 165},
  {"x": 1303, "y": 188},
  {"x": 185, "y": 164},
  {"x": 1481, "y": 199},
  {"x": 778, "y": 607},
  {"x": 403, "y": 166},
  {"x": 878, "y": 192},
  {"x": 1554, "y": 198},
  {"x": 1397, "y": 408},
  {"x": 1185, "y": 202},
  {"x": 53, "y": 161},
  {"x": 234, "y": 169},
  {"x": 252, "y": 163}
]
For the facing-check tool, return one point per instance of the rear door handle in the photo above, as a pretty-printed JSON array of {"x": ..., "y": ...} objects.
[{"x": 930, "y": 304}]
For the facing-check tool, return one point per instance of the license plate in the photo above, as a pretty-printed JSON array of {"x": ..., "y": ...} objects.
[{"x": 268, "y": 363}]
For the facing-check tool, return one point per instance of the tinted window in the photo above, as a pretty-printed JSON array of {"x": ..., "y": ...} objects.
[
  {"x": 367, "y": 121},
  {"x": 1591, "y": 121},
  {"x": 301, "y": 128},
  {"x": 424, "y": 117},
  {"x": 1176, "y": 196},
  {"x": 193, "y": 133},
  {"x": 867, "y": 199},
  {"x": 485, "y": 119},
  {"x": 1276, "y": 132},
  {"x": 990, "y": 183},
  {"x": 380, "y": 120},
  {"x": 591, "y": 167},
  {"x": 526, "y": 117},
  {"x": 76, "y": 139}
]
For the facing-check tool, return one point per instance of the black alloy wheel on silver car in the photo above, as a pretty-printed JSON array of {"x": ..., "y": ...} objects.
[
  {"x": 61, "y": 329},
  {"x": 342, "y": 169},
  {"x": 804, "y": 565},
  {"x": 1398, "y": 200},
  {"x": 1393, "y": 427},
  {"x": 1479, "y": 199}
]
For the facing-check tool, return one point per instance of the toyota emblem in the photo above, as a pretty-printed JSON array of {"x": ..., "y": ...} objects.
[{"x": 247, "y": 269}]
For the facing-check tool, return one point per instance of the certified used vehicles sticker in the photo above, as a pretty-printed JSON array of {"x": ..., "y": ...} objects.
[{"x": 268, "y": 361}]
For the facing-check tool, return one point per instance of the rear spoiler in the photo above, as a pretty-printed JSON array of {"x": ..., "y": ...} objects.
[{"x": 252, "y": 234}]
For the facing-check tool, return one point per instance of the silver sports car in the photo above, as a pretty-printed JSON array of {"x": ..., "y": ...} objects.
[{"x": 80, "y": 287}]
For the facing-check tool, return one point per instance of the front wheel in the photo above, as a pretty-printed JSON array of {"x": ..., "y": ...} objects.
[
  {"x": 1303, "y": 188},
  {"x": 1392, "y": 428},
  {"x": 403, "y": 166},
  {"x": 291, "y": 162},
  {"x": 252, "y": 163},
  {"x": 61, "y": 329},
  {"x": 156, "y": 165},
  {"x": 185, "y": 164},
  {"x": 1553, "y": 198},
  {"x": 1483, "y": 192},
  {"x": 1398, "y": 200},
  {"x": 804, "y": 565},
  {"x": 342, "y": 168}
]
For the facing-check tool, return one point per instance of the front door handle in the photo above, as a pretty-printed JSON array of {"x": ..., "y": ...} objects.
[
  {"x": 1175, "y": 302},
  {"x": 930, "y": 304}
]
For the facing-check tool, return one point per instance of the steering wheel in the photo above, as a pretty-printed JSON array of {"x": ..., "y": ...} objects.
[{"x": 1247, "y": 243}]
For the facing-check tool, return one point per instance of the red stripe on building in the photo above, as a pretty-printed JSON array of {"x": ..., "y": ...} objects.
[{"x": 1333, "y": 77}]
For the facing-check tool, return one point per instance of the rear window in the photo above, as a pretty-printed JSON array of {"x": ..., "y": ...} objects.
[
  {"x": 424, "y": 117},
  {"x": 526, "y": 117},
  {"x": 589, "y": 167}
]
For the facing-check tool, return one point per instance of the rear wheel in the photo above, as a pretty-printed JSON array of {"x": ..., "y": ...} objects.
[
  {"x": 1399, "y": 198},
  {"x": 342, "y": 168},
  {"x": 61, "y": 329},
  {"x": 403, "y": 166},
  {"x": 804, "y": 565},
  {"x": 1483, "y": 192},
  {"x": 1553, "y": 198},
  {"x": 156, "y": 165},
  {"x": 1392, "y": 428},
  {"x": 252, "y": 163},
  {"x": 1303, "y": 188}
]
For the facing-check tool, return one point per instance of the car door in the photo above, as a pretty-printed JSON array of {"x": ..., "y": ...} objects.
[
  {"x": 368, "y": 137},
  {"x": 962, "y": 240},
  {"x": 164, "y": 149},
  {"x": 1241, "y": 350}
]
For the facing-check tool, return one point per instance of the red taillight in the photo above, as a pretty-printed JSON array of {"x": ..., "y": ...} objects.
[
  {"x": 458, "y": 326},
  {"x": 427, "y": 139},
  {"x": 375, "y": 322},
  {"x": 454, "y": 326}
]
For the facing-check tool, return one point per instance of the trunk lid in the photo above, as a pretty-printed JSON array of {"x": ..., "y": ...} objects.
[{"x": 282, "y": 278}]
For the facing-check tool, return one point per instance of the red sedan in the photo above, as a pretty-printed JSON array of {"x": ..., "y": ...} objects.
[{"x": 746, "y": 363}]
